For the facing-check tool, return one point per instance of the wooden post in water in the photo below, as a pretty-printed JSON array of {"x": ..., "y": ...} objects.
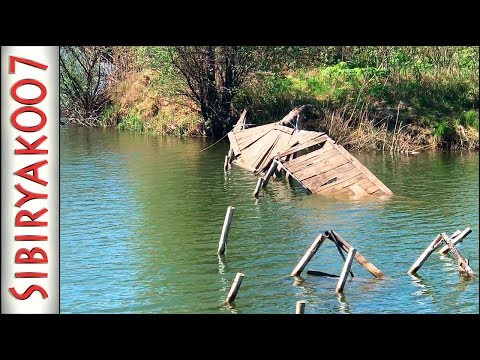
[
  {"x": 222, "y": 244},
  {"x": 270, "y": 172},
  {"x": 456, "y": 239},
  {"x": 225, "y": 163},
  {"x": 308, "y": 255},
  {"x": 300, "y": 307},
  {"x": 257, "y": 188},
  {"x": 428, "y": 251},
  {"x": 345, "y": 270},
  {"x": 230, "y": 155},
  {"x": 462, "y": 263},
  {"x": 232, "y": 294}
]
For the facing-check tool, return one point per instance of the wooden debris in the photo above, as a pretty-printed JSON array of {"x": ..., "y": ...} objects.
[
  {"x": 450, "y": 242},
  {"x": 321, "y": 273},
  {"x": 456, "y": 239},
  {"x": 462, "y": 263},
  {"x": 309, "y": 157},
  {"x": 308, "y": 255}
]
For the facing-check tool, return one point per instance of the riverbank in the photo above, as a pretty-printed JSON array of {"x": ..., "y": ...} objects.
[{"x": 361, "y": 108}]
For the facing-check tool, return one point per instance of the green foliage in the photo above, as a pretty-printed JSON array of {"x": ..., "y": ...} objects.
[
  {"x": 444, "y": 130},
  {"x": 110, "y": 115},
  {"x": 470, "y": 118},
  {"x": 131, "y": 122}
]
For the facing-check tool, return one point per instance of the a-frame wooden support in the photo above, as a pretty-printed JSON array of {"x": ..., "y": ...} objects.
[
  {"x": 342, "y": 246},
  {"x": 450, "y": 243}
]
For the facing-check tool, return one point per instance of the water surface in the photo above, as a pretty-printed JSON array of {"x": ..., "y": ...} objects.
[{"x": 141, "y": 218}]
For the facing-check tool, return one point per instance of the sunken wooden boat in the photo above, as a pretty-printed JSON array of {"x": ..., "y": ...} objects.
[{"x": 311, "y": 158}]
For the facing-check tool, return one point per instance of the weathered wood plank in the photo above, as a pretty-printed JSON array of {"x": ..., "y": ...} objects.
[
  {"x": 367, "y": 172},
  {"x": 234, "y": 144},
  {"x": 310, "y": 159},
  {"x": 321, "y": 273},
  {"x": 426, "y": 253},
  {"x": 462, "y": 263},
  {"x": 241, "y": 122},
  {"x": 372, "y": 269},
  {"x": 330, "y": 167},
  {"x": 456, "y": 239},
  {"x": 302, "y": 146},
  {"x": 343, "y": 180},
  {"x": 285, "y": 129},
  {"x": 292, "y": 115},
  {"x": 308, "y": 255}
]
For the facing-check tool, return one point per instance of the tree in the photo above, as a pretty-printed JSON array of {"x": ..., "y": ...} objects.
[
  {"x": 213, "y": 75},
  {"x": 83, "y": 76}
]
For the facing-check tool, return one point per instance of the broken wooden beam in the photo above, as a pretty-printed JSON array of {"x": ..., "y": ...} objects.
[
  {"x": 222, "y": 244},
  {"x": 232, "y": 294},
  {"x": 426, "y": 253},
  {"x": 225, "y": 163},
  {"x": 372, "y": 269},
  {"x": 292, "y": 115},
  {"x": 345, "y": 270},
  {"x": 321, "y": 273},
  {"x": 308, "y": 255},
  {"x": 456, "y": 239},
  {"x": 462, "y": 263}
]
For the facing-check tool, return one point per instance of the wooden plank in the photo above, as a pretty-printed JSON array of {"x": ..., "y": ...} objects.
[
  {"x": 292, "y": 114},
  {"x": 456, "y": 239},
  {"x": 343, "y": 180},
  {"x": 462, "y": 263},
  {"x": 241, "y": 122},
  {"x": 330, "y": 167},
  {"x": 320, "y": 273},
  {"x": 285, "y": 129},
  {"x": 345, "y": 270},
  {"x": 243, "y": 165},
  {"x": 234, "y": 144},
  {"x": 263, "y": 154},
  {"x": 358, "y": 190},
  {"x": 253, "y": 139},
  {"x": 308, "y": 255},
  {"x": 372, "y": 269},
  {"x": 259, "y": 148},
  {"x": 310, "y": 158},
  {"x": 367, "y": 172},
  {"x": 242, "y": 135},
  {"x": 426, "y": 253},
  {"x": 302, "y": 146}
]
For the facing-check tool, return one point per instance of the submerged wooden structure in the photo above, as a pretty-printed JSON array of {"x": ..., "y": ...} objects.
[{"x": 311, "y": 158}]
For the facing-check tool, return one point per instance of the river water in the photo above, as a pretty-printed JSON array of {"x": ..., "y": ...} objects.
[{"x": 141, "y": 217}]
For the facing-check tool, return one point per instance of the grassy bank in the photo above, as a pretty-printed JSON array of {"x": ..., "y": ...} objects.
[{"x": 408, "y": 108}]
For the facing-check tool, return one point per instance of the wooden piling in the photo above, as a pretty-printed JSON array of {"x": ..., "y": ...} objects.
[
  {"x": 230, "y": 155},
  {"x": 300, "y": 308},
  {"x": 320, "y": 273},
  {"x": 462, "y": 263},
  {"x": 456, "y": 239},
  {"x": 270, "y": 173},
  {"x": 222, "y": 244},
  {"x": 372, "y": 269},
  {"x": 225, "y": 163},
  {"x": 346, "y": 270},
  {"x": 232, "y": 294},
  {"x": 341, "y": 254},
  {"x": 428, "y": 251},
  {"x": 257, "y": 188},
  {"x": 308, "y": 255}
]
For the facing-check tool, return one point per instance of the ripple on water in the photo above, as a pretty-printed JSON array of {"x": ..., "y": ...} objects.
[{"x": 141, "y": 218}]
